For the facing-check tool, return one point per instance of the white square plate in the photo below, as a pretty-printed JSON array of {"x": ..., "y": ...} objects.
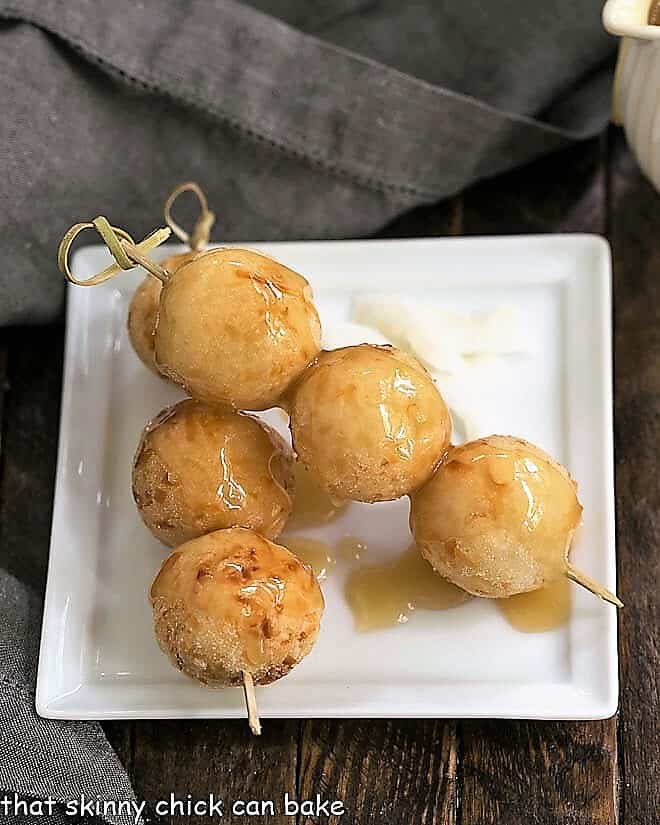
[{"x": 98, "y": 657}]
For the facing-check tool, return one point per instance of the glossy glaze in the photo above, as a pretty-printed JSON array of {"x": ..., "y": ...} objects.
[
  {"x": 386, "y": 594},
  {"x": 199, "y": 469},
  {"x": 351, "y": 548},
  {"x": 319, "y": 555},
  {"x": 368, "y": 422},
  {"x": 312, "y": 506},
  {"x": 236, "y": 327},
  {"x": 497, "y": 518},
  {"x": 232, "y": 601},
  {"x": 539, "y": 611}
]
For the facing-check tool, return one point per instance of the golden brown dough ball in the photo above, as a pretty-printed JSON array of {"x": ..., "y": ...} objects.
[
  {"x": 368, "y": 422},
  {"x": 142, "y": 317},
  {"x": 497, "y": 518},
  {"x": 232, "y": 601},
  {"x": 236, "y": 327},
  {"x": 199, "y": 468},
  {"x": 143, "y": 312}
]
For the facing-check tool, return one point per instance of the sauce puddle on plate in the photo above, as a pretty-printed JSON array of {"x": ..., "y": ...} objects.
[
  {"x": 384, "y": 595},
  {"x": 541, "y": 610},
  {"x": 320, "y": 555},
  {"x": 351, "y": 548},
  {"x": 317, "y": 554},
  {"x": 312, "y": 506}
]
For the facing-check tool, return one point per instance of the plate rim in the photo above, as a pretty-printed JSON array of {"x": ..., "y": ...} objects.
[{"x": 598, "y": 706}]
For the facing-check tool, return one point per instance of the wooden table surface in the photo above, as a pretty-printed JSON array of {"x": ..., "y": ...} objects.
[{"x": 430, "y": 771}]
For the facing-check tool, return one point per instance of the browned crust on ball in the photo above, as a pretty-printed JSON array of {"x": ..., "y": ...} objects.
[
  {"x": 232, "y": 601},
  {"x": 191, "y": 457}
]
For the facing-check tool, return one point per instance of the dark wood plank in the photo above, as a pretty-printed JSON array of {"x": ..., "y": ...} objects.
[
  {"x": 216, "y": 757},
  {"x": 635, "y": 235},
  {"x": 394, "y": 771},
  {"x": 559, "y": 773},
  {"x": 561, "y": 193},
  {"x": 32, "y": 402},
  {"x": 121, "y": 735},
  {"x": 540, "y": 772}
]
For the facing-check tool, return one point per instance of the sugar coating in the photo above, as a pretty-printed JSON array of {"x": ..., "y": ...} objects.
[
  {"x": 232, "y": 601},
  {"x": 497, "y": 518},
  {"x": 200, "y": 468},
  {"x": 236, "y": 327},
  {"x": 369, "y": 422}
]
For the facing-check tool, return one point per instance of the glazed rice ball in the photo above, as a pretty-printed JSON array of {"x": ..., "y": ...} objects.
[
  {"x": 200, "y": 468},
  {"x": 143, "y": 312},
  {"x": 497, "y": 518},
  {"x": 368, "y": 422},
  {"x": 232, "y": 601},
  {"x": 236, "y": 327}
]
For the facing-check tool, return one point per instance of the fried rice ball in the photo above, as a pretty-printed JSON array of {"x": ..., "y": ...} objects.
[
  {"x": 143, "y": 312},
  {"x": 497, "y": 518},
  {"x": 232, "y": 601},
  {"x": 236, "y": 327},
  {"x": 200, "y": 468},
  {"x": 368, "y": 422}
]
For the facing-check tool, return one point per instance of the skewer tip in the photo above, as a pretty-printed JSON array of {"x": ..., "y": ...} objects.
[
  {"x": 592, "y": 586},
  {"x": 251, "y": 703}
]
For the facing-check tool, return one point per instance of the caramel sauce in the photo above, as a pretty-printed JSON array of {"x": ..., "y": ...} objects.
[
  {"x": 351, "y": 548},
  {"x": 254, "y": 648},
  {"x": 273, "y": 284},
  {"x": 541, "y": 610},
  {"x": 386, "y": 594},
  {"x": 317, "y": 554},
  {"x": 312, "y": 505},
  {"x": 230, "y": 492}
]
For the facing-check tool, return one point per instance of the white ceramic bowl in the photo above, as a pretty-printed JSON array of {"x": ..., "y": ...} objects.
[{"x": 636, "y": 103}]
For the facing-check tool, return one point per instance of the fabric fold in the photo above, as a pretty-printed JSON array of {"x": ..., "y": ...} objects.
[{"x": 308, "y": 98}]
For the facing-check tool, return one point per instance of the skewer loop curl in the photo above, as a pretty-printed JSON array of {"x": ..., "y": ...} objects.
[{"x": 122, "y": 247}]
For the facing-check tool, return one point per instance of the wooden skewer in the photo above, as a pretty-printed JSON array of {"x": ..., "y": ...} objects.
[
  {"x": 122, "y": 247},
  {"x": 199, "y": 237},
  {"x": 251, "y": 703},
  {"x": 585, "y": 581}
]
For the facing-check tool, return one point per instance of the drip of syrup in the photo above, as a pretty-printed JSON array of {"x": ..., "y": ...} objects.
[
  {"x": 541, "y": 610},
  {"x": 312, "y": 505},
  {"x": 254, "y": 649},
  {"x": 317, "y": 554},
  {"x": 386, "y": 594}
]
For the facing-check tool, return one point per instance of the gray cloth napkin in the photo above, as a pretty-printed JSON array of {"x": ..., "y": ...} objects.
[
  {"x": 106, "y": 106},
  {"x": 326, "y": 122}
]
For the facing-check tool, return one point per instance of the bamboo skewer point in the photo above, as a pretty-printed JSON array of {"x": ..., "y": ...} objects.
[
  {"x": 251, "y": 703},
  {"x": 592, "y": 586}
]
